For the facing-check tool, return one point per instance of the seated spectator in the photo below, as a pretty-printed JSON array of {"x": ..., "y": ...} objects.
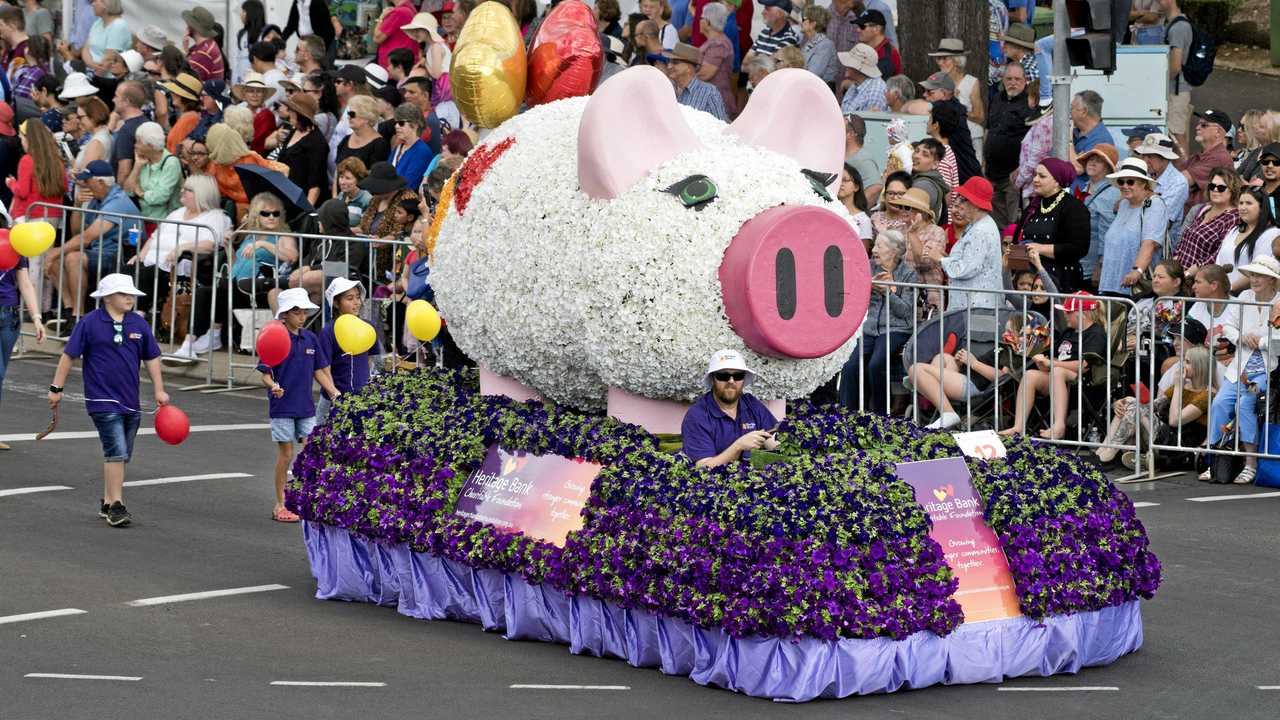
[
  {"x": 350, "y": 173},
  {"x": 1252, "y": 238},
  {"x": 385, "y": 216},
  {"x": 255, "y": 91},
  {"x": 866, "y": 91},
  {"x": 1054, "y": 378},
  {"x": 727, "y": 423},
  {"x": 1181, "y": 412},
  {"x": 1211, "y": 286},
  {"x": 410, "y": 155},
  {"x": 718, "y": 55},
  {"x": 1208, "y": 224},
  {"x": 1137, "y": 234},
  {"x": 226, "y": 150},
  {"x": 1160, "y": 152},
  {"x": 900, "y": 97},
  {"x": 926, "y": 157},
  {"x": 865, "y": 378},
  {"x": 94, "y": 118},
  {"x": 854, "y": 200},
  {"x": 756, "y": 68},
  {"x": 974, "y": 262},
  {"x": 682, "y": 64},
  {"x": 156, "y": 176},
  {"x": 1056, "y": 224},
  {"x": 909, "y": 213},
  {"x": 184, "y": 92},
  {"x": 819, "y": 50},
  {"x": 240, "y": 118},
  {"x": 1100, "y": 197},
  {"x": 310, "y": 274},
  {"x": 364, "y": 143},
  {"x": 75, "y": 266},
  {"x": 1211, "y": 133}
]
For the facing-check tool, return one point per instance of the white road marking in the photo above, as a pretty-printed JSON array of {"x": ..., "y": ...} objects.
[
  {"x": 1137, "y": 504},
  {"x": 40, "y": 615},
  {"x": 569, "y": 687},
  {"x": 165, "y": 599},
  {"x": 85, "y": 434},
  {"x": 1250, "y": 496},
  {"x": 66, "y": 676},
  {"x": 1268, "y": 687},
  {"x": 38, "y": 489},
  {"x": 1077, "y": 688},
  {"x": 185, "y": 478},
  {"x": 325, "y": 684}
]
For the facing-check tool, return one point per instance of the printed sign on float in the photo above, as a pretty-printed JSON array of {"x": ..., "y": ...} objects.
[
  {"x": 973, "y": 551},
  {"x": 539, "y": 495},
  {"x": 981, "y": 444}
]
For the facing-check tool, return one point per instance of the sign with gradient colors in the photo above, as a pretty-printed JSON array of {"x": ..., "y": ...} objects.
[
  {"x": 539, "y": 495},
  {"x": 945, "y": 489}
]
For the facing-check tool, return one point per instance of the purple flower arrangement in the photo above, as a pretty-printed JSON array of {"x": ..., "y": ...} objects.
[{"x": 830, "y": 544}]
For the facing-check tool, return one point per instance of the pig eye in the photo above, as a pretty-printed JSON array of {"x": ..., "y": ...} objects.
[
  {"x": 694, "y": 191},
  {"x": 819, "y": 182}
]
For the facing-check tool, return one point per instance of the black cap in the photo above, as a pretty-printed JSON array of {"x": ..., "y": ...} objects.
[
  {"x": 783, "y": 5},
  {"x": 1216, "y": 117},
  {"x": 353, "y": 74},
  {"x": 1272, "y": 149},
  {"x": 1193, "y": 331},
  {"x": 872, "y": 17}
]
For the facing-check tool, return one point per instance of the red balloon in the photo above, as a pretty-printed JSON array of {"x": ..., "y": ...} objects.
[
  {"x": 273, "y": 343},
  {"x": 172, "y": 425},
  {"x": 8, "y": 256},
  {"x": 565, "y": 57}
]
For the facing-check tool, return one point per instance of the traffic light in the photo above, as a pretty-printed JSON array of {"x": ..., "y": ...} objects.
[{"x": 1097, "y": 27}]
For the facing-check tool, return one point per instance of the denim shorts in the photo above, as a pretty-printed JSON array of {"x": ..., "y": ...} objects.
[
  {"x": 323, "y": 406},
  {"x": 117, "y": 431},
  {"x": 292, "y": 429},
  {"x": 98, "y": 267}
]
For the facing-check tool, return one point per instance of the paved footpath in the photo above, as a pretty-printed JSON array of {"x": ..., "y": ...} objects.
[{"x": 204, "y": 608}]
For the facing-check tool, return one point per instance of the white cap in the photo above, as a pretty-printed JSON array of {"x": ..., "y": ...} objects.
[
  {"x": 132, "y": 60},
  {"x": 728, "y": 360},
  {"x": 113, "y": 284},
  {"x": 336, "y": 287},
  {"x": 77, "y": 85},
  {"x": 294, "y": 298}
]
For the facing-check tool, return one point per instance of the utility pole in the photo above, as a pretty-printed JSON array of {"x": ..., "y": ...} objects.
[{"x": 1062, "y": 80}]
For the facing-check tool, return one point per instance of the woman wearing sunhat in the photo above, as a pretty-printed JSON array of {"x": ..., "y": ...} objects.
[
  {"x": 1133, "y": 242},
  {"x": 1099, "y": 197},
  {"x": 974, "y": 262},
  {"x": 185, "y": 90},
  {"x": 302, "y": 147}
]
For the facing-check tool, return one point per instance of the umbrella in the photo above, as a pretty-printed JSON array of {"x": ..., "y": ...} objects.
[{"x": 256, "y": 179}]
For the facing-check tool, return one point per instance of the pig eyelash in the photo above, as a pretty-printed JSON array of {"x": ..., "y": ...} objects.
[
  {"x": 819, "y": 182},
  {"x": 695, "y": 191}
]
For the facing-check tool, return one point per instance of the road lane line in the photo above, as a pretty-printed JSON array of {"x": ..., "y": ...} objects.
[
  {"x": 1268, "y": 687},
  {"x": 185, "y": 478},
  {"x": 68, "y": 676},
  {"x": 40, "y": 615},
  {"x": 569, "y": 687},
  {"x": 1249, "y": 496},
  {"x": 325, "y": 684},
  {"x": 85, "y": 434},
  {"x": 29, "y": 490},
  {"x": 1077, "y": 688},
  {"x": 1137, "y": 504},
  {"x": 186, "y": 597}
]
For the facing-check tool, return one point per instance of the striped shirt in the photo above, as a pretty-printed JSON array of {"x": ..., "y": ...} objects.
[
  {"x": 206, "y": 61},
  {"x": 768, "y": 42},
  {"x": 703, "y": 96},
  {"x": 866, "y": 96}
]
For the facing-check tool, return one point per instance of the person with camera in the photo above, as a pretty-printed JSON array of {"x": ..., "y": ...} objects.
[{"x": 727, "y": 423}]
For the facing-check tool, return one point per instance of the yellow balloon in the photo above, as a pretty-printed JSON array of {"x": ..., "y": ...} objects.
[
  {"x": 355, "y": 336},
  {"x": 422, "y": 320},
  {"x": 31, "y": 238},
  {"x": 487, "y": 74}
]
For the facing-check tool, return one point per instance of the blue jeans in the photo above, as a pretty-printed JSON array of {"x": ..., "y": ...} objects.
[
  {"x": 1149, "y": 35},
  {"x": 9, "y": 327},
  {"x": 875, "y": 352},
  {"x": 1044, "y": 64},
  {"x": 1224, "y": 409},
  {"x": 117, "y": 431}
]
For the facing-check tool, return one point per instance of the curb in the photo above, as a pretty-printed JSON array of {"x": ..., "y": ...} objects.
[{"x": 1267, "y": 71}]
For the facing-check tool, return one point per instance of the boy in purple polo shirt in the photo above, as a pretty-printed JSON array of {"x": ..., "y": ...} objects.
[
  {"x": 349, "y": 373},
  {"x": 293, "y": 412},
  {"x": 113, "y": 340},
  {"x": 726, "y": 424}
]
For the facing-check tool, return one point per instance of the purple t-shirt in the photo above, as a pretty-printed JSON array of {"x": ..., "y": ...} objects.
[
  {"x": 350, "y": 372},
  {"x": 9, "y": 285},
  {"x": 112, "y": 351},
  {"x": 707, "y": 431},
  {"x": 295, "y": 374}
]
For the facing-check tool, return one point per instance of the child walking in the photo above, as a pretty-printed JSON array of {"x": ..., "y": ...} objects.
[
  {"x": 349, "y": 373},
  {"x": 291, "y": 407},
  {"x": 112, "y": 340}
]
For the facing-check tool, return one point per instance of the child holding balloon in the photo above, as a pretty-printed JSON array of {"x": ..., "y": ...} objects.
[
  {"x": 349, "y": 371},
  {"x": 298, "y": 358}
]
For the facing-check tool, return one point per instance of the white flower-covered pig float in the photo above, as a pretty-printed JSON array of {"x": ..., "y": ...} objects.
[{"x": 596, "y": 251}]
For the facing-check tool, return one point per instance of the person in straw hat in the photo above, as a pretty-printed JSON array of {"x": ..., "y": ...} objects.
[
  {"x": 950, "y": 57},
  {"x": 866, "y": 91},
  {"x": 682, "y": 67},
  {"x": 302, "y": 147},
  {"x": 1133, "y": 242},
  {"x": 1100, "y": 198}
]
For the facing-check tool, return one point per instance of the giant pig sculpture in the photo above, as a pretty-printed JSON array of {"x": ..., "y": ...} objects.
[{"x": 610, "y": 244}]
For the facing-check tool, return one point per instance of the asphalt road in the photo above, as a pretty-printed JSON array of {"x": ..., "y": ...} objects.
[{"x": 1210, "y": 640}]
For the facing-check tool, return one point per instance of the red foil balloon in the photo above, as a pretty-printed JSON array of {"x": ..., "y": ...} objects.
[
  {"x": 8, "y": 256},
  {"x": 273, "y": 343},
  {"x": 172, "y": 425},
  {"x": 565, "y": 58}
]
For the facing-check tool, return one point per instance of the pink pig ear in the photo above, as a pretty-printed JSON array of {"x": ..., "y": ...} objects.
[
  {"x": 632, "y": 125},
  {"x": 793, "y": 112}
]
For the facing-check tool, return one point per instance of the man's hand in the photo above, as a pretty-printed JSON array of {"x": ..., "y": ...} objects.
[
  {"x": 54, "y": 399},
  {"x": 277, "y": 391},
  {"x": 752, "y": 441},
  {"x": 162, "y": 397}
]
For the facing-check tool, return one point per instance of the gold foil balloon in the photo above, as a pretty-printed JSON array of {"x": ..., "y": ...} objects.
[{"x": 487, "y": 74}]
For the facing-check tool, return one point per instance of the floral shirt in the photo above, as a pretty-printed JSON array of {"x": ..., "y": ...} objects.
[{"x": 1201, "y": 240}]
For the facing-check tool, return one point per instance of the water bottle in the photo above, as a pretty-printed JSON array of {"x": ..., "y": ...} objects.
[{"x": 134, "y": 232}]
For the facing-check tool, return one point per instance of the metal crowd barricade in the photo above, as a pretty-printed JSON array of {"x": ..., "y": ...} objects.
[
  {"x": 282, "y": 277},
  {"x": 1004, "y": 303},
  {"x": 1226, "y": 321},
  {"x": 121, "y": 265}
]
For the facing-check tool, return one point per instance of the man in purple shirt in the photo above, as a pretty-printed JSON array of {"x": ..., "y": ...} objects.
[
  {"x": 113, "y": 340},
  {"x": 726, "y": 424}
]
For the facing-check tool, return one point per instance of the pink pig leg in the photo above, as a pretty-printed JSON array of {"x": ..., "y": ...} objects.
[{"x": 492, "y": 383}]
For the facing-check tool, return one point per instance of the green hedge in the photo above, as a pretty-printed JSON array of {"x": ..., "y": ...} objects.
[{"x": 1213, "y": 16}]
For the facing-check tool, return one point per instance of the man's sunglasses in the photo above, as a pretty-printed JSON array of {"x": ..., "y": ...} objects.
[{"x": 724, "y": 376}]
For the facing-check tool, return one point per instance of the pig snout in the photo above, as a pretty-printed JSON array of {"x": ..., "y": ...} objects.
[{"x": 796, "y": 282}]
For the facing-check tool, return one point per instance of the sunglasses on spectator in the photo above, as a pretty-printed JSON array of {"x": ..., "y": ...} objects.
[
  {"x": 269, "y": 213},
  {"x": 725, "y": 377},
  {"x": 1127, "y": 181},
  {"x": 1269, "y": 162},
  {"x": 403, "y": 122},
  {"x": 1214, "y": 187}
]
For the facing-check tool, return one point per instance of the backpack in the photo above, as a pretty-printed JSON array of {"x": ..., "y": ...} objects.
[{"x": 1198, "y": 63}]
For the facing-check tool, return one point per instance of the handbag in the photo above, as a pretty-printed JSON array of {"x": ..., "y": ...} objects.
[
  {"x": 1224, "y": 468},
  {"x": 418, "y": 288},
  {"x": 1142, "y": 288}
]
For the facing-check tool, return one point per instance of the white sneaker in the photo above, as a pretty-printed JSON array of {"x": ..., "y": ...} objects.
[
  {"x": 946, "y": 421},
  {"x": 207, "y": 342},
  {"x": 184, "y": 350}
]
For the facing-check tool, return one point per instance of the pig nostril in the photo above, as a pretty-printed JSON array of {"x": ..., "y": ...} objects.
[
  {"x": 785, "y": 279},
  {"x": 833, "y": 280}
]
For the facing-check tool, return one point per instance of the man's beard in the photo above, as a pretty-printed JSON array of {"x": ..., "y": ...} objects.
[{"x": 727, "y": 393}]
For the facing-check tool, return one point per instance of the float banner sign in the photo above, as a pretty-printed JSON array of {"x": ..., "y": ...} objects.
[
  {"x": 539, "y": 495},
  {"x": 945, "y": 489}
]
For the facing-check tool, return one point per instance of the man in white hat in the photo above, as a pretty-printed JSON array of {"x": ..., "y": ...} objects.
[
  {"x": 867, "y": 90},
  {"x": 727, "y": 423},
  {"x": 1159, "y": 151},
  {"x": 112, "y": 340}
]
